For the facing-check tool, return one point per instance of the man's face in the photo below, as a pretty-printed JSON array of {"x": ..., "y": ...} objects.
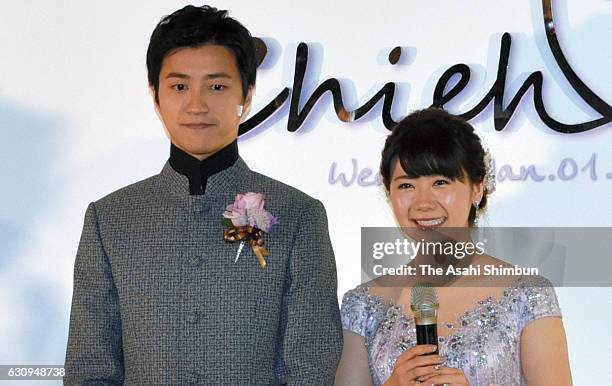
[{"x": 199, "y": 93}]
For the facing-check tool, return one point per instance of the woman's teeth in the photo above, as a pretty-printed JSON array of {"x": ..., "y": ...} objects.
[{"x": 430, "y": 223}]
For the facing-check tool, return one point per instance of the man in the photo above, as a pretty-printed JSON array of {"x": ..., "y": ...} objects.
[{"x": 159, "y": 296}]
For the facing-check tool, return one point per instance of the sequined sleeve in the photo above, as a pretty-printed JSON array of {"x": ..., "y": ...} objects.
[
  {"x": 538, "y": 300},
  {"x": 360, "y": 311}
]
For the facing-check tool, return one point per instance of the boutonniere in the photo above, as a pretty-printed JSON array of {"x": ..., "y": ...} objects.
[{"x": 247, "y": 220}]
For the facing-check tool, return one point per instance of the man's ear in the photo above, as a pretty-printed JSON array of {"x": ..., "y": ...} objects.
[
  {"x": 156, "y": 107},
  {"x": 248, "y": 100},
  {"x": 152, "y": 93},
  {"x": 155, "y": 103}
]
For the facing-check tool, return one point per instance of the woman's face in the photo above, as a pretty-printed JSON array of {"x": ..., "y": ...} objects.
[{"x": 431, "y": 201}]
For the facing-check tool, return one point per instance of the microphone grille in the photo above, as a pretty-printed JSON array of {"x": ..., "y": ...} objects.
[{"x": 424, "y": 294}]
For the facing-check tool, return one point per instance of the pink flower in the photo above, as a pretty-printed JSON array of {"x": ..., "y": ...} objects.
[
  {"x": 252, "y": 200},
  {"x": 248, "y": 209},
  {"x": 260, "y": 218},
  {"x": 236, "y": 215}
]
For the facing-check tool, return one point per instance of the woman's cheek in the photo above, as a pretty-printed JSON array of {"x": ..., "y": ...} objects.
[
  {"x": 448, "y": 199},
  {"x": 401, "y": 209}
]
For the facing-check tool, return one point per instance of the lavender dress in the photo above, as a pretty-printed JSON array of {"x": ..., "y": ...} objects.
[{"x": 484, "y": 343}]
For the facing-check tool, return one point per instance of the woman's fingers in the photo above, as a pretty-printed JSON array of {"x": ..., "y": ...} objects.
[
  {"x": 416, "y": 351},
  {"x": 415, "y": 363},
  {"x": 446, "y": 375},
  {"x": 422, "y": 361},
  {"x": 421, "y": 372}
]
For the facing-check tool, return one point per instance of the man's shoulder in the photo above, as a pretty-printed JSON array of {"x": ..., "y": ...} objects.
[
  {"x": 272, "y": 187},
  {"x": 127, "y": 195},
  {"x": 288, "y": 202}
]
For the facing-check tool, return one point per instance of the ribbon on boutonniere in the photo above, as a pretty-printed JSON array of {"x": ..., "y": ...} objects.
[{"x": 247, "y": 220}]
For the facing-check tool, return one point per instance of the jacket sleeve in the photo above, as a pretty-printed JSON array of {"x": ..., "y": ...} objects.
[
  {"x": 312, "y": 332},
  {"x": 94, "y": 353}
]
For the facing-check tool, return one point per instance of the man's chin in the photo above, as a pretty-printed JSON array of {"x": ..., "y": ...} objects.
[{"x": 203, "y": 152}]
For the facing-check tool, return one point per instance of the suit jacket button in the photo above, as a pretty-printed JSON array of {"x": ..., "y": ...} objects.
[
  {"x": 193, "y": 317},
  {"x": 194, "y": 261},
  {"x": 200, "y": 207}
]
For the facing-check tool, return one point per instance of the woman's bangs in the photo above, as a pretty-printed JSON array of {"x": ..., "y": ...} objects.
[{"x": 420, "y": 160}]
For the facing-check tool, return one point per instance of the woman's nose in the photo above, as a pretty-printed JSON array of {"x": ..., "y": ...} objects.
[{"x": 424, "y": 199}]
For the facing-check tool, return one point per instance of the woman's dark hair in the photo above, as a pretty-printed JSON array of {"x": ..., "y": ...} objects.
[
  {"x": 196, "y": 26},
  {"x": 433, "y": 142}
]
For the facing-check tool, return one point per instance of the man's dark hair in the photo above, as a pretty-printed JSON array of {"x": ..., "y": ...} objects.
[
  {"x": 194, "y": 26},
  {"x": 433, "y": 142}
]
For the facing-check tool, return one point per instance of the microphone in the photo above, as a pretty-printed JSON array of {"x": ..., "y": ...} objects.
[{"x": 425, "y": 309}]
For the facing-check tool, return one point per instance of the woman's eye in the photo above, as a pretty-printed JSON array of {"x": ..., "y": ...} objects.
[
  {"x": 405, "y": 185},
  {"x": 441, "y": 182},
  {"x": 218, "y": 87},
  {"x": 180, "y": 87}
]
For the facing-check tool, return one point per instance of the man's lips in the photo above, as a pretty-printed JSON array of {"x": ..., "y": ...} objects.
[{"x": 197, "y": 125}]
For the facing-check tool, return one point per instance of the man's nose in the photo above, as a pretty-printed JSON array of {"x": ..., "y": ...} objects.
[{"x": 196, "y": 102}]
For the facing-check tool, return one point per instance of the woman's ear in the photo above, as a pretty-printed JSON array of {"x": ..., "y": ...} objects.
[{"x": 477, "y": 191}]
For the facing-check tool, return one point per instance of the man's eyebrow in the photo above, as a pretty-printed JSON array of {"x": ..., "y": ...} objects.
[
  {"x": 177, "y": 75},
  {"x": 216, "y": 75}
]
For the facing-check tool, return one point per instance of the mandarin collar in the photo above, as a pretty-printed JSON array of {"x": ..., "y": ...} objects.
[{"x": 198, "y": 172}]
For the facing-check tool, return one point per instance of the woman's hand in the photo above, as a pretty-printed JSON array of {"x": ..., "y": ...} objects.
[
  {"x": 415, "y": 364},
  {"x": 418, "y": 366},
  {"x": 446, "y": 376}
]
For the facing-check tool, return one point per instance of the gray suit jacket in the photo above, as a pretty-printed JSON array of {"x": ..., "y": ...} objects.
[{"x": 158, "y": 299}]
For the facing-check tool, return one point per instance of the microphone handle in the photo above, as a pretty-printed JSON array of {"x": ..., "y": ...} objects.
[{"x": 427, "y": 334}]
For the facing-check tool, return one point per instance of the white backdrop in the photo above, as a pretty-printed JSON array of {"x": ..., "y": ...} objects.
[{"x": 77, "y": 123}]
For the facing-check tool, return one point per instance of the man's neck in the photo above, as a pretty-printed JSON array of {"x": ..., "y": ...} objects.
[{"x": 198, "y": 171}]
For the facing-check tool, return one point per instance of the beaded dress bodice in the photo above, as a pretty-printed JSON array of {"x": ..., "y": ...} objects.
[{"x": 484, "y": 342}]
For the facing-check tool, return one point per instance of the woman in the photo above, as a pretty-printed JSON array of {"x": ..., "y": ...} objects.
[{"x": 437, "y": 175}]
